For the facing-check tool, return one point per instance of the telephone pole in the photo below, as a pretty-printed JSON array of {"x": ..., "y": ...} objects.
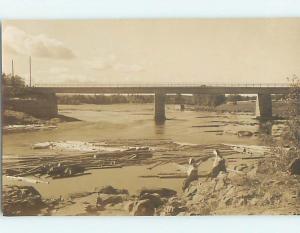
[
  {"x": 12, "y": 68},
  {"x": 29, "y": 71}
]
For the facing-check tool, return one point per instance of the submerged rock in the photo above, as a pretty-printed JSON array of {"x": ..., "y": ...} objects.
[
  {"x": 244, "y": 133},
  {"x": 42, "y": 145}
]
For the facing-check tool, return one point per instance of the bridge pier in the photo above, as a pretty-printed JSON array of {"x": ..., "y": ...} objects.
[
  {"x": 159, "y": 107},
  {"x": 263, "y": 106},
  {"x": 179, "y": 100}
]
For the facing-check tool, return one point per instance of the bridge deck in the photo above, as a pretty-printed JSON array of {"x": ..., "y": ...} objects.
[{"x": 167, "y": 88}]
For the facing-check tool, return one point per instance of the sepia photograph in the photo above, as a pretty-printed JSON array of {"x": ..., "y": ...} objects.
[{"x": 151, "y": 117}]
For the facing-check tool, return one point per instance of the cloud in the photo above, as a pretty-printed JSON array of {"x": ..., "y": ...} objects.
[
  {"x": 110, "y": 63},
  {"x": 101, "y": 63},
  {"x": 20, "y": 42}
]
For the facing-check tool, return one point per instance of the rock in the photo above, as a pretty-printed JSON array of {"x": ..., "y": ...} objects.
[
  {"x": 55, "y": 120},
  {"x": 272, "y": 198},
  {"x": 91, "y": 209},
  {"x": 244, "y": 133},
  {"x": 241, "y": 202},
  {"x": 79, "y": 194},
  {"x": 111, "y": 190},
  {"x": 174, "y": 207},
  {"x": 226, "y": 201},
  {"x": 219, "y": 167},
  {"x": 294, "y": 167},
  {"x": 153, "y": 197},
  {"x": 42, "y": 145},
  {"x": 254, "y": 201},
  {"x": 190, "y": 191},
  {"x": 21, "y": 200},
  {"x": 162, "y": 192},
  {"x": 241, "y": 167},
  {"x": 219, "y": 184},
  {"x": 129, "y": 206},
  {"x": 105, "y": 199},
  {"x": 144, "y": 208}
]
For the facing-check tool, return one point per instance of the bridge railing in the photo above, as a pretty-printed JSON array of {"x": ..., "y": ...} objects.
[{"x": 163, "y": 84}]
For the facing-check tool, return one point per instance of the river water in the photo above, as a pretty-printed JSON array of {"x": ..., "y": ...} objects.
[{"x": 131, "y": 121}]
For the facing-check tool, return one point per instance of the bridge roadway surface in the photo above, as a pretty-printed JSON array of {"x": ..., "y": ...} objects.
[
  {"x": 263, "y": 91},
  {"x": 175, "y": 88}
]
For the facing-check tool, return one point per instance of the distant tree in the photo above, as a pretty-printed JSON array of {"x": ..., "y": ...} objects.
[
  {"x": 13, "y": 81},
  {"x": 209, "y": 100},
  {"x": 13, "y": 86},
  {"x": 234, "y": 98}
]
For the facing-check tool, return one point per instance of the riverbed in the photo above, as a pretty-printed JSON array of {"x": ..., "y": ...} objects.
[{"x": 132, "y": 121}]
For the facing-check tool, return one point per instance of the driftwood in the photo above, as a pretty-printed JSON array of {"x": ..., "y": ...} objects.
[
  {"x": 159, "y": 164},
  {"x": 34, "y": 165}
]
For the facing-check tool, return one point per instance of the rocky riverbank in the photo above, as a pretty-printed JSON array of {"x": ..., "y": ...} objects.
[
  {"x": 253, "y": 184},
  {"x": 15, "y": 122}
]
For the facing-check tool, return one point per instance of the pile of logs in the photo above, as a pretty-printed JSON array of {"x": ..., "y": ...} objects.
[{"x": 66, "y": 165}]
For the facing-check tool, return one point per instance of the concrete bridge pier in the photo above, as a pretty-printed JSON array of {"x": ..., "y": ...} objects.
[
  {"x": 179, "y": 100},
  {"x": 159, "y": 107},
  {"x": 263, "y": 106}
]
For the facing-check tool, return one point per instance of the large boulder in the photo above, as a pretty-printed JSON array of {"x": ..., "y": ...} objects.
[
  {"x": 153, "y": 197},
  {"x": 21, "y": 200},
  {"x": 144, "y": 208}
]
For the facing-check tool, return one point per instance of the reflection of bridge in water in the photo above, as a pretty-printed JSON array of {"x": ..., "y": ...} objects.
[{"x": 262, "y": 90}]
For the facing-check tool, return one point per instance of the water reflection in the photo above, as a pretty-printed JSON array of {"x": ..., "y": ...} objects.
[
  {"x": 265, "y": 127},
  {"x": 159, "y": 127}
]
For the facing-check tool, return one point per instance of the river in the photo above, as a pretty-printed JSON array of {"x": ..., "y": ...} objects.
[{"x": 131, "y": 121}]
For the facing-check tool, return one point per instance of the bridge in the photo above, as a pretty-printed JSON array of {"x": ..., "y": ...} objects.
[{"x": 262, "y": 90}]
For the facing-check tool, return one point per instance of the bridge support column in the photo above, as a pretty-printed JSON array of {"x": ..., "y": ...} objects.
[
  {"x": 179, "y": 100},
  {"x": 263, "y": 106},
  {"x": 159, "y": 107}
]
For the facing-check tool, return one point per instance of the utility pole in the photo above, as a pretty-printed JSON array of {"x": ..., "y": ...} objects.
[
  {"x": 12, "y": 68},
  {"x": 12, "y": 73},
  {"x": 29, "y": 71}
]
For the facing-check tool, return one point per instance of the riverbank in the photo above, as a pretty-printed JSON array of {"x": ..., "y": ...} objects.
[
  {"x": 279, "y": 108},
  {"x": 14, "y": 121},
  {"x": 250, "y": 186}
]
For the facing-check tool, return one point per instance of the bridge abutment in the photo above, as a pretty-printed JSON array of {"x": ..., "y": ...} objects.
[
  {"x": 159, "y": 107},
  {"x": 263, "y": 106}
]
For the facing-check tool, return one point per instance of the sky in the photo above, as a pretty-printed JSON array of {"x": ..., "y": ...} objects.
[{"x": 153, "y": 51}]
